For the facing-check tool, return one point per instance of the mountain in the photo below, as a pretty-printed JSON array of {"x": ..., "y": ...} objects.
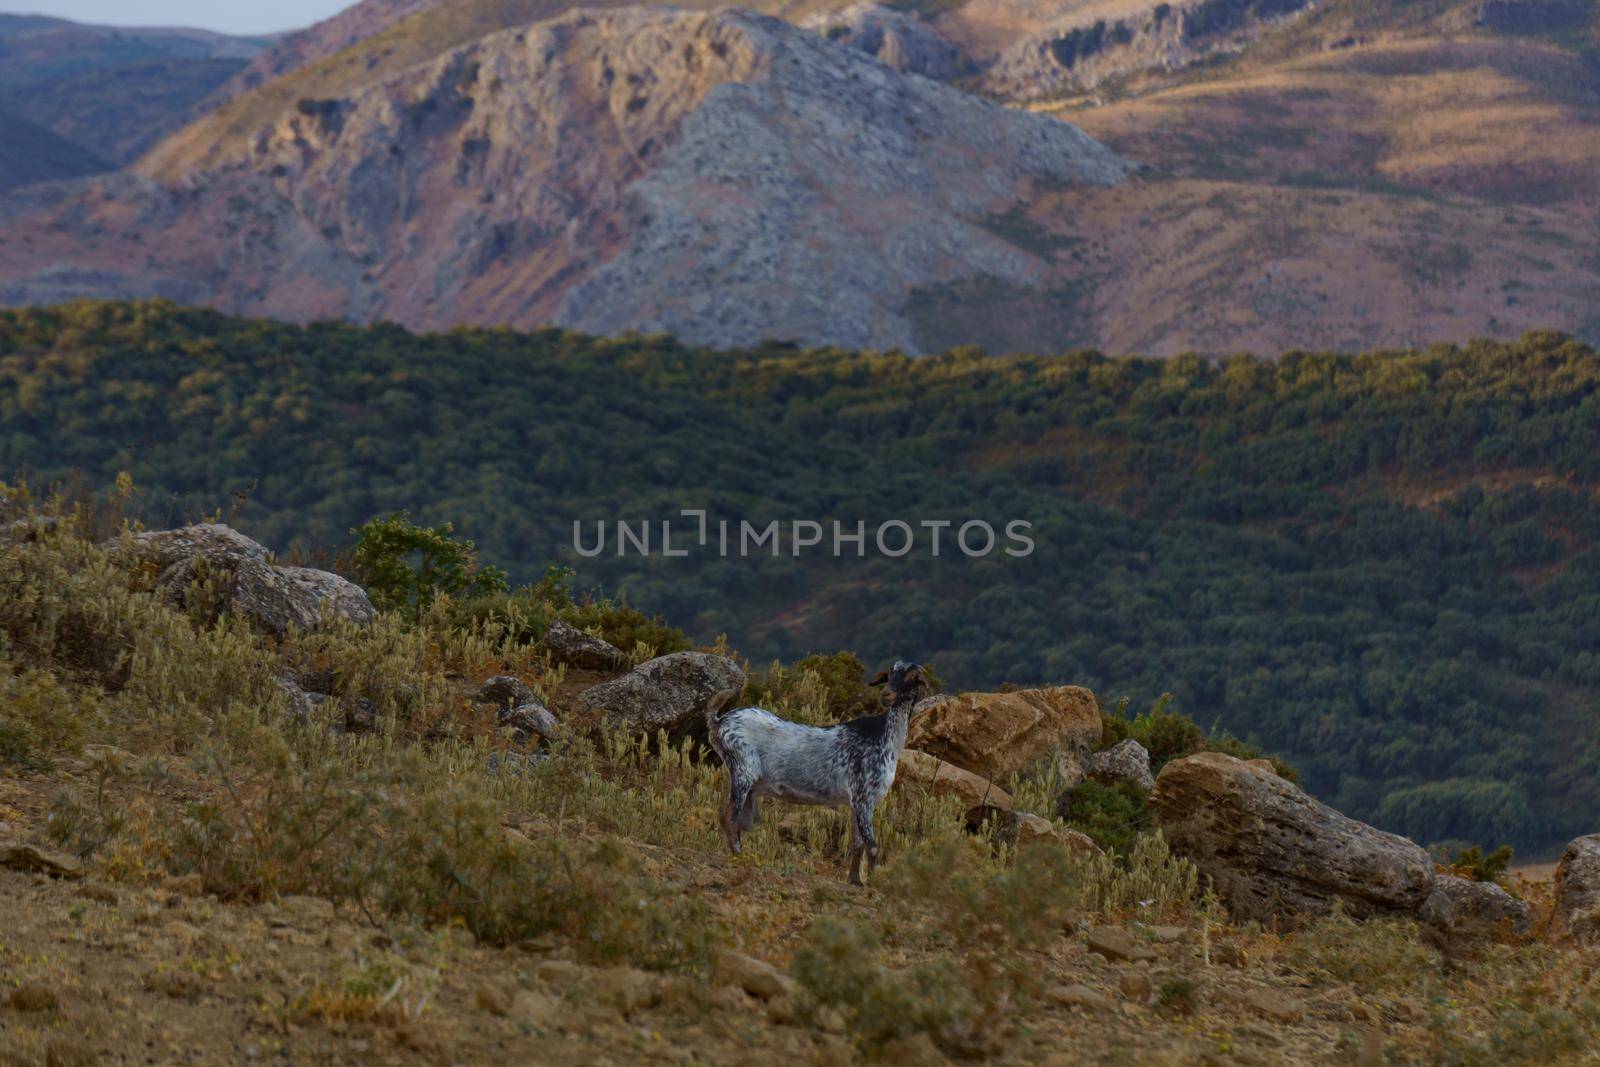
[
  {"x": 292, "y": 51},
  {"x": 34, "y": 154},
  {"x": 1382, "y": 567},
  {"x": 726, "y": 177},
  {"x": 1351, "y": 175},
  {"x": 111, "y": 91}
]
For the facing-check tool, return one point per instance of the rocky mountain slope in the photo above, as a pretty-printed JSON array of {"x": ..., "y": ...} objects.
[
  {"x": 349, "y": 27},
  {"x": 1349, "y": 175},
  {"x": 726, "y": 177},
  {"x": 111, "y": 91}
]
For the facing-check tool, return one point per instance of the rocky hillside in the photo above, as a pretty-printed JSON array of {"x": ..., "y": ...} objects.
[
  {"x": 1349, "y": 175},
  {"x": 349, "y": 27},
  {"x": 444, "y": 835},
  {"x": 110, "y": 91},
  {"x": 726, "y": 177}
]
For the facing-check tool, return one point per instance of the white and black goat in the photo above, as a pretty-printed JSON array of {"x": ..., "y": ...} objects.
[{"x": 851, "y": 764}]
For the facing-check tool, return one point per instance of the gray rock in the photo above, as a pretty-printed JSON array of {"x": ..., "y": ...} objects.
[
  {"x": 570, "y": 645},
  {"x": 1125, "y": 761},
  {"x": 1274, "y": 852},
  {"x": 667, "y": 693},
  {"x": 340, "y": 597},
  {"x": 529, "y": 719},
  {"x": 1577, "y": 911},
  {"x": 301, "y": 704},
  {"x": 275, "y": 599},
  {"x": 505, "y": 691},
  {"x": 1456, "y": 902},
  {"x": 211, "y": 541}
]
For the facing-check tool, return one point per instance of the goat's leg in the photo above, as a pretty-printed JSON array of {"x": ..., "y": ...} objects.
[
  {"x": 739, "y": 794},
  {"x": 869, "y": 839},
  {"x": 858, "y": 846},
  {"x": 863, "y": 843},
  {"x": 750, "y": 814}
]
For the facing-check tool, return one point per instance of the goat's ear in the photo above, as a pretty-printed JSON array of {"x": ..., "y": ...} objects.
[
  {"x": 881, "y": 679},
  {"x": 915, "y": 674}
]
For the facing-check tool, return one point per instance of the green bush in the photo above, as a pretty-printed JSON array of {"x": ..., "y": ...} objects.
[
  {"x": 403, "y": 565},
  {"x": 1473, "y": 863},
  {"x": 1115, "y": 816}
]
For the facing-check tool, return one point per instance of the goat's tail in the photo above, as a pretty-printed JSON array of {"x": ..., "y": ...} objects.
[{"x": 714, "y": 706}]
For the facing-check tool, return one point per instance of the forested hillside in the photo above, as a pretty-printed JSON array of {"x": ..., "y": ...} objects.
[{"x": 1378, "y": 566}]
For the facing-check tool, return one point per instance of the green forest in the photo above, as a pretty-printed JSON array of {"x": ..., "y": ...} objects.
[{"x": 1380, "y": 567}]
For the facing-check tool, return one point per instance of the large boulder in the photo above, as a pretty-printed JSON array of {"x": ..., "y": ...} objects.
[
  {"x": 1125, "y": 761},
  {"x": 1577, "y": 912},
  {"x": 1458, "y": 903},
  {"x": 1274, "y": 852},
  {"x": 570, "y": 645},
  {"x": 213, "y": 542},
  {"x": 667, "y": 693},
  {"x": 997, "y": 735},
  {"x": 274, "y": 598},
  {"x": 978, "y": 795}
]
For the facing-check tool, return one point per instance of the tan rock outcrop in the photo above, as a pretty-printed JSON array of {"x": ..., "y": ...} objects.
[
  {"x": 1275, "y": 852},
  {"x": 942, "y": 778},
  {"x": 997, "y": 735}
]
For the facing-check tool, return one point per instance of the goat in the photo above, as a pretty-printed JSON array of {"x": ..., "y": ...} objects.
[{"x": 851, "y": 764}]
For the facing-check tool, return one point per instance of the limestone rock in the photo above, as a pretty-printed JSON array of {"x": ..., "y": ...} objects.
[
  {"x": 1456, "y": 901},
  {"x": 997, "y": 735},
  {"x": 1118, "y": 945},
  {"x": 1577, "y": 911},
  {"x": 21, "y": 857},
  {"x": 1273, "y": 851},
  {"x": 530, "y": 719},
  {"x": 919, "y": 769},
  {"x": 756, "y": 977},
  {"x": 274, "y": 598},
  {"x": 667, "y": 693},
  {"x": 504, "y": 691},
  {"x": 1079, "y": 996},
  {"x": 1125, "y": 761},
  {"x": 570, "y": 645},
  {"x": 211, "y": 541}
]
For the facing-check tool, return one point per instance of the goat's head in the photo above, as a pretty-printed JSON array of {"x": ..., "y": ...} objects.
[{"x": 902, "y": 684}]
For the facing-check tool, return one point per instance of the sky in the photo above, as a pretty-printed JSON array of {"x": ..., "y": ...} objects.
[{"x": 225, "y": 16}]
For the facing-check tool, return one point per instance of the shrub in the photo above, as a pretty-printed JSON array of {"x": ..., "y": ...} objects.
[
  {"x": 627, "y": 627},
  {"x": 1169, "y": 735},
  {"x": 403, "y": 565},
  {"x": 1114, "y": 816},
  {"x": 839, "y": 970},
  {"x": 1473, "y": 863}
]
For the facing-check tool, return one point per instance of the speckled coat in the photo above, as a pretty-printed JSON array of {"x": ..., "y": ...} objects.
[{"x": 849, "y": 765}]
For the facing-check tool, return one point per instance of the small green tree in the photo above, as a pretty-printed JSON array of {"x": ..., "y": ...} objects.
[{"x": 404, "y": 565}]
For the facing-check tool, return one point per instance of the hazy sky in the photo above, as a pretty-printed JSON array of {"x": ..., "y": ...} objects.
[{"x": 228, "y": 16}]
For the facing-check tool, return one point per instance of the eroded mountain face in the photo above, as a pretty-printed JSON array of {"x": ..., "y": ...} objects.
[{"x": 725, "y": 176}]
